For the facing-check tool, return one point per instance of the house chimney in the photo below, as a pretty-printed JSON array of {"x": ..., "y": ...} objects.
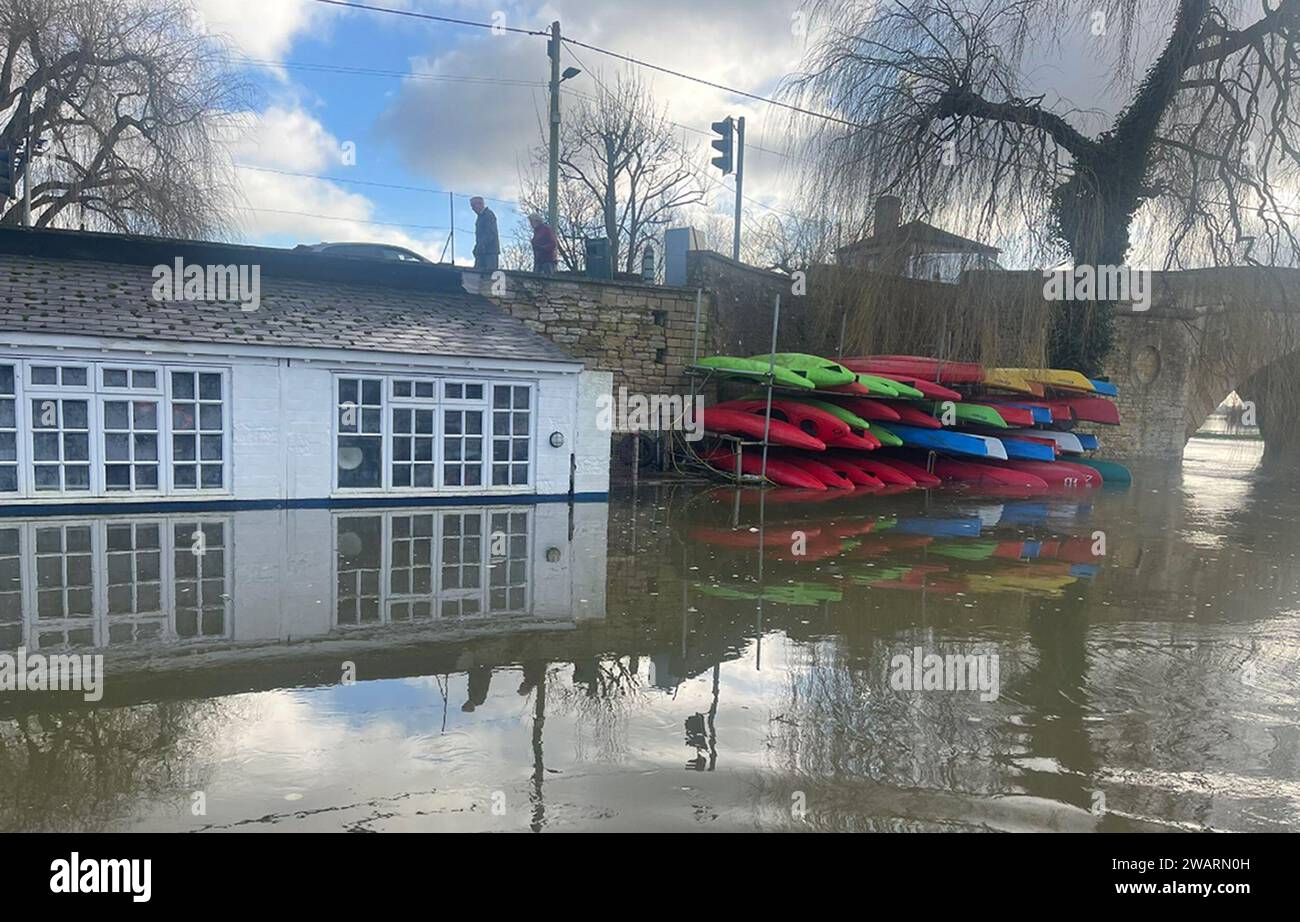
[{"x": 889, "y": 213}]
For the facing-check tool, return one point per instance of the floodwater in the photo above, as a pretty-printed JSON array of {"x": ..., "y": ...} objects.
[{"x": 641, "y": 665}]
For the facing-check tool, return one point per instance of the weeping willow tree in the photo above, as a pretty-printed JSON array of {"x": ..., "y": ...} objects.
[
  {"x": 125, "y": 105},
  {"x": 1196, "y": 167}
]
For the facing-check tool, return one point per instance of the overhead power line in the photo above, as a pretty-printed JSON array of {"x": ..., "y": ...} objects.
[{"x": 413, "y": 14}]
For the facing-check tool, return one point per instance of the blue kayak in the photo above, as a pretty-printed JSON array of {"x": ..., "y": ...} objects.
[
  {"x": 961, "y": 443},
  {"x": 1089, "y": 442},
  {"x": 1104, "y": 388},
  {"x": 1027, "y": 451}
]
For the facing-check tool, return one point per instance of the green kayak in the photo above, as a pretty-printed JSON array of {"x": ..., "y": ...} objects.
[
  {"x": 1112, "y": 472},
  {"x": 749, "y": 368},
  {"x": 848, "y": 416},
  {"x": 821, "y": 372},
  {"x": 887, "y": 438},
  {"x": 978, "y": 414},
  {"x": 885, "y": 385}
]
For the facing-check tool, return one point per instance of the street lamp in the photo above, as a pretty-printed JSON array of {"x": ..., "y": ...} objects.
[{"x": 553, "y": 183}]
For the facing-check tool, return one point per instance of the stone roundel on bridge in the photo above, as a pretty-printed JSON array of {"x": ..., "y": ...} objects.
[{"x": 1146, "y": 365}]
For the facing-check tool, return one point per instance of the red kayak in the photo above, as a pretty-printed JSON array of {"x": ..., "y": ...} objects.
[
  {"x": 854, "y": 388},
  {"x": 922, "y": 477},
  {"x": 850, "y": 471},
  {"x": 1092, "y": 410},
  {"x": 986, "y": 474},
  {"x": 909, "y": 414},
  {"x": 736, "y": 422},
  {"x": 1012, "y": 416},
  {"x": 928, "y": 389},
  {"x": 916, "y": 366},
  {"x": 1057, "y": 474},
  {"x": 751, "y": 462},
  {"x": 818, "y": 469},
  {"x": 870, "y": 409},
  {"x": 885, "y": 472},
  {"x": 812, "y": 420},
  {"x": 844, "y": 460},
  {"x": 863, "y": 441}
]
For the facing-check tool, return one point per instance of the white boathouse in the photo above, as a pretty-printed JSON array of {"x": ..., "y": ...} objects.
[{"x": 348, "y": 381}]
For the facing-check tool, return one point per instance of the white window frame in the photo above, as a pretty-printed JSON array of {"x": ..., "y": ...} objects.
[
  {"x": 227, "y": 428},
  {"x": 440, "y": 403}
]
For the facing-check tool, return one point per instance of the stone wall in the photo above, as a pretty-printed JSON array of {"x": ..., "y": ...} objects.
[{"x": 641, "y": 333}]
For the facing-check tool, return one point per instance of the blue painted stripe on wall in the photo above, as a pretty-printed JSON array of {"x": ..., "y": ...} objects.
[{"x": 233, "y": 505}]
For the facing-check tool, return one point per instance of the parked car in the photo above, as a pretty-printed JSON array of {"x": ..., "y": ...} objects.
[{"x": 383, "y": 251}]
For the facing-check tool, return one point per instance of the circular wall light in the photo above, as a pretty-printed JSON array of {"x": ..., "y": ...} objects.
[
  {"x": 557, "y": 439},
  {"x": 552, "y": 555}
]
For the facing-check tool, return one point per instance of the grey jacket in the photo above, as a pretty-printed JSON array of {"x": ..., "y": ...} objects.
[{"x": 486, "y": 241}]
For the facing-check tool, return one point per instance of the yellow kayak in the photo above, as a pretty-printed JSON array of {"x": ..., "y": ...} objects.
[
  {"x": 1051, "y": 377},
  {"x": 1009, "y": 380}
]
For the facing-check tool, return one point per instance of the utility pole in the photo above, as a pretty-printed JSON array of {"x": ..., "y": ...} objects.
[
  {"x": 740, "y": 183},
  {"x": 553, "y": 179},
  {"x": 27, "y": 159}
]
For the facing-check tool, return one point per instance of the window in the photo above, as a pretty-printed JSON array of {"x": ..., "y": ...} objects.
[
  {"x": 462, "y": 559},
  {"x": 200, "y": 578},
  {"x": 413, "y": 434},
  {"x": 65, "y": 591},
  {"x": 360, "y": 433},
  {"x": 462, "y": 448},
  {"x": 511, "y": 434},
  {"x": 198, "y": 430},
  {"x": 133, "y": 574},
  {"x": 8, "y": 431},
  {"x": 61, "y": 445},
  {"x": 131, "y": 445},
  {"x": 411, "y": 555},
  {"x": 508, "y": 573},
  {"x": 359, "y": 559},
  {"x": 11, "y": 588}
]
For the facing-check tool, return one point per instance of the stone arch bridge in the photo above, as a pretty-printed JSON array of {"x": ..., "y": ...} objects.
[{"x": 1207, "y": 333}]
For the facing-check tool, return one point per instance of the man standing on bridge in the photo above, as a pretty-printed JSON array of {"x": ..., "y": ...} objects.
[{"x": 487, "y": 245}]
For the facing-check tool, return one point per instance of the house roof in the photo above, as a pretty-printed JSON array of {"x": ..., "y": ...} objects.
[
  {"x": 923, "y": 233},
  {"x": 77, "y": 284}
]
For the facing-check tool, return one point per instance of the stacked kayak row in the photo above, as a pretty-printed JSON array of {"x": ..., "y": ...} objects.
[{"x": 872, "y": 422}]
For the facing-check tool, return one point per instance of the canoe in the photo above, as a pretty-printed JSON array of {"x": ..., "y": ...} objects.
[
  {"x": 1054, "y": 377},
  {"x": 1008, "y": 380},
  {"x": 917, "y": 366},
  {"x": 860, "y": 441},
  {"x": 918, "y": 473},
  {"x": 735, "y": 422},
  {"x": 812, "y": 419},
  {"x": 1104, "y": 388},
  {"x": 1065, "y": 441},
  {"x": 887, "y": 383},
  {"x": 925, "y": 389},
  {"x": 885, "y": 471},
  {"x": 1025, "y": 449},
  {"x": 850, "y": 470},
  {"x": 817, "y": 370},
  {"x": 980, "y": 414},
  {"x": 850, "y": 418},
  {"x": 1088, "y": 441},
  {"x": 854, "y": 388},
  {"x": 974, "y": 472},
  {"x": 1041, "y": 413},
  {"x": 878, "y": 387},
  {"x": 1112, "y": 472},
  {"x": 751, "y": 462},
  {"x": 1093, "y": 410},
  {"x": 946, "y": 440},
  {"x": 749, "y": 369},
  {"x": 913, "y": 415},
  {"x": 870, "y": 409},
  {"x": 1010, "y": 415},
  {"x": 822, "y": 472},
  {"x": 1057, "y": 474}
]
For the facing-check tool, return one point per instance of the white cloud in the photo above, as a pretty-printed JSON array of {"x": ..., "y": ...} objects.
[{"x": 261, "y": 28}]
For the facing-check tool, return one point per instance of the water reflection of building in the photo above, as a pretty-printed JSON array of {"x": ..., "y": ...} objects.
[{"x": 157, "y": 582}]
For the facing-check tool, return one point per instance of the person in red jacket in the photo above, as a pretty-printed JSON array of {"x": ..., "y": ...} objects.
[{"x": 545, "y": 245}]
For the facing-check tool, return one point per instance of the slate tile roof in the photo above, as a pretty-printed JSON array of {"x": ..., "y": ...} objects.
[{"x": 90, "y": 297}]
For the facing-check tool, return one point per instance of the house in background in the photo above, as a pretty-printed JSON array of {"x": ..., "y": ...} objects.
[
  {"x": 351, "y": 381},
  {"x": 916, "y": 250}
]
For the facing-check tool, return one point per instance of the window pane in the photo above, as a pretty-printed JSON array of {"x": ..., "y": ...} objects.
[
  {"x": 116, "y": 415},
  {"x": 183, "y": 385},
  {"x": 144, "y": 379},
  {"x": 209, "y": 386},
  {"x": 45, "y": 374},
  {"x": 115, "y": 377},
  {"x": 360, "y": 462},
  {"x": 74, "y": 377}
]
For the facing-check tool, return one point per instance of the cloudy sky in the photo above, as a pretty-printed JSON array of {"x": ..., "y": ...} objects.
[{"x": 350, "y": 103}]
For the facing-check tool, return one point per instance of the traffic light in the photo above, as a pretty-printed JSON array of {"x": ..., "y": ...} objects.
[
  {"x": 723, "y": 144},
  {"x": 10, "y": 170}
]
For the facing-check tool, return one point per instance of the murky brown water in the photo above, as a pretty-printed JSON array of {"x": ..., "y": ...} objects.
[{"x": 640, "y": 665}]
